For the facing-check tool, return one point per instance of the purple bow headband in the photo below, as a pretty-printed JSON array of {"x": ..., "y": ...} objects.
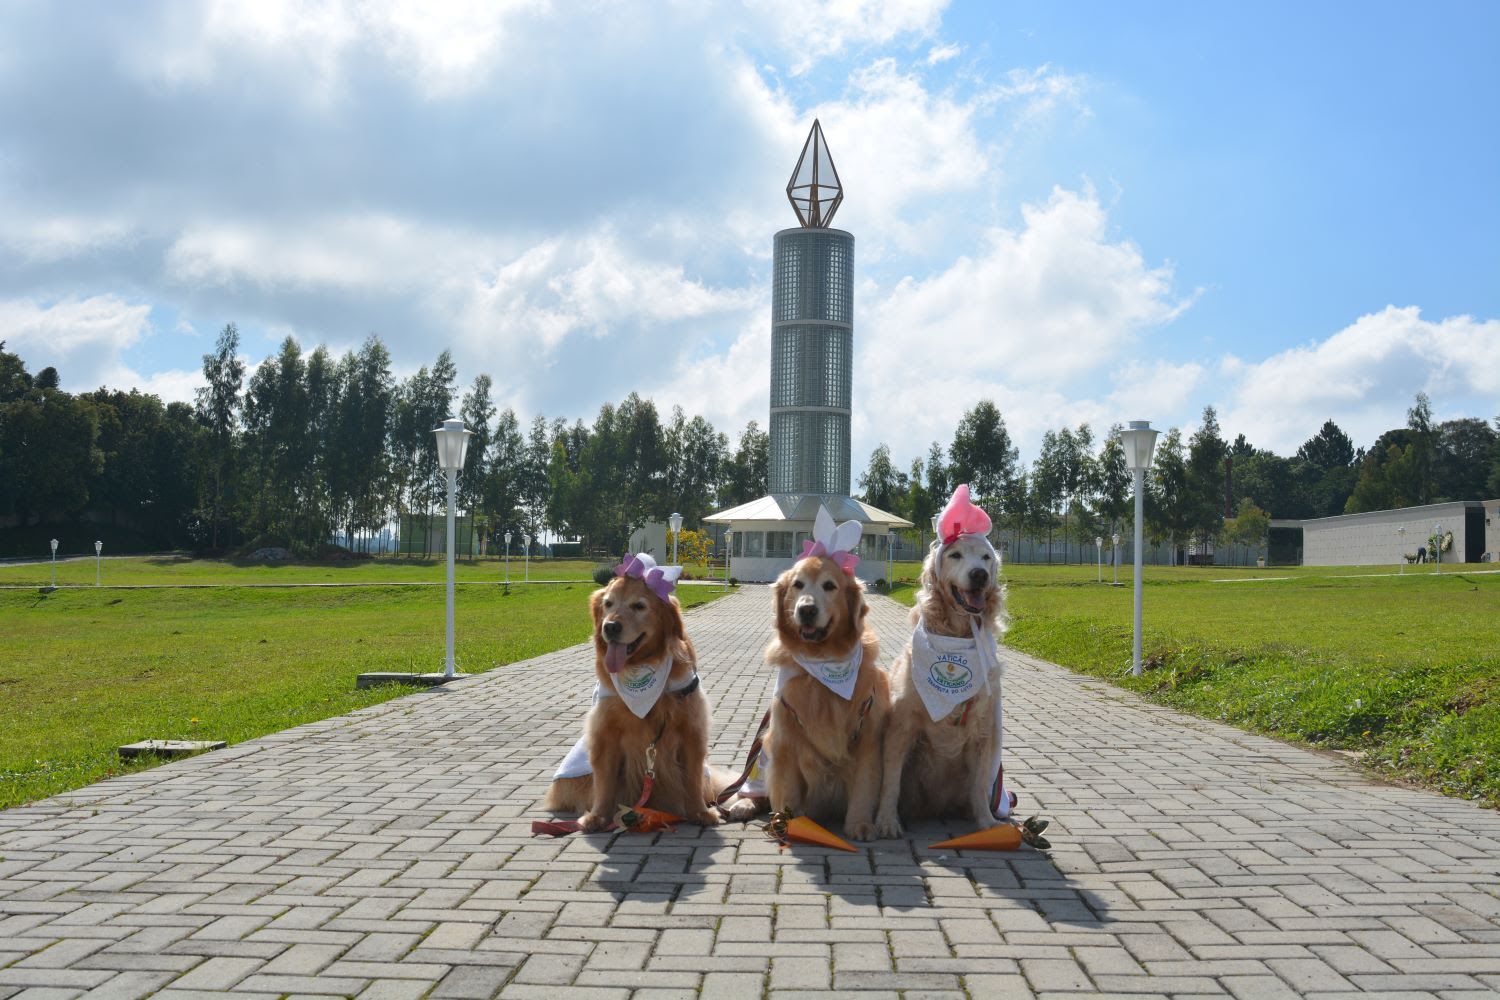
[
  {"x": 845, "y": 561},
  {"x": 661, "y": 581}
]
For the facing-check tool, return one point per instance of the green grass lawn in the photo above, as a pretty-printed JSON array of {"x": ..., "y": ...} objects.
[
  {"x": 1405, "y": 670},
  {"x": 185, "y": 570},
  {"x": 84, "y": 671}
]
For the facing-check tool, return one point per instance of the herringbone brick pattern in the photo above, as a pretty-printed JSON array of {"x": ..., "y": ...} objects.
[{"x": 387, "y": 853}]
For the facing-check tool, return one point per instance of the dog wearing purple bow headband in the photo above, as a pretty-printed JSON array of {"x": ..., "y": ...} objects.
[
  {"x": 649, "y": 711},
  {"x": 823, "y": 747}
]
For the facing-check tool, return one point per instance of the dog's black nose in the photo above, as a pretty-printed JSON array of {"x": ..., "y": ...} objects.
[
  {"x": 979, "y": 579},
  {"x": 612, "y": 630},
  {"x": 808, "y": 613}
]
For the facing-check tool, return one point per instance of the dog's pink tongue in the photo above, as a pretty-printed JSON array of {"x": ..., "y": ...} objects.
[
  {"x": 615, "y": 655},
  {"x": 975, "y": 598}
]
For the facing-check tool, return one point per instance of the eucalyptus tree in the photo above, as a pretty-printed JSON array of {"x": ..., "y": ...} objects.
[
  {"x": 695, "y": 458},
  {"x": 1169, "y": 491},
  {"x": 218, "y": 403},
  {"x": 1205, "y": 477},
  {"x": 880, "y": 484},
  {"x": 1113, "y": 496},
  {"x": 477, "y": 411},
  {"x": 982, "y": 453}
]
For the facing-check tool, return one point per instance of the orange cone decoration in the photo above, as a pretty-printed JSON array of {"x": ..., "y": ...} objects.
[
  {"x": 643, "y": 819},
  {"x": 804, "y": 831},
  {"x": 997, "y": 838}
]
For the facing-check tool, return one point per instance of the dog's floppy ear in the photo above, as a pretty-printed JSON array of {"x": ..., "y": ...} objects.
[
  {"x": 854, "y": 594},
  {"x": 676, "y": 627},
  {"x": 596, "y": 607},
  {"x": 778, "y": 596}
]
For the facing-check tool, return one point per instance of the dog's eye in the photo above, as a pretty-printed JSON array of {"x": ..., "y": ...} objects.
[
  {"x": 797, "y": 585},
  {"x": 986, "y": 557},
  {"x": 609, "y": 604},
  {"x": 830, "y": 586},
  {"x": 955, "y": 555},
  {"x": 639, "y": 606}
]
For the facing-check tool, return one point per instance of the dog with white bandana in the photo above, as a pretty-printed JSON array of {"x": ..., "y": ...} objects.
[{"x": 942, "y": 752}]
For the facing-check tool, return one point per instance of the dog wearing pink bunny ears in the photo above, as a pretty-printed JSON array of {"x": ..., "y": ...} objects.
[{"x": 942, "y": 753}]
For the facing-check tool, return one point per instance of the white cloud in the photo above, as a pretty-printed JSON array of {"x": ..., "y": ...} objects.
[
  {"x": 811, "y": 30},
  {"x": 82, "y": 338},
  {"x": 1364, "y": 377},
  {"x": 942, "y": 53},
  {"x": 44, "y": 239},
  {"x": 445, "y": 47}
]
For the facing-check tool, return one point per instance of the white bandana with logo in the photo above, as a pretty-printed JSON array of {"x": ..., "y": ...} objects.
[
  {"x": 948, "y": 671},
  {"x": 640, "y": 687},
  {"x": 576, "y": 763},
  {"x": 838, "y": 675}
]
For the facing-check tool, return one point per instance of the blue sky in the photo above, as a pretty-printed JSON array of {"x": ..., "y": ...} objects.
[{"x": 1087, "y": 212}]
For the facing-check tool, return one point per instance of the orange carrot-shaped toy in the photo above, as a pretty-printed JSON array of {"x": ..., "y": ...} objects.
[
  {"x": 644, "y": 819},
  {"x": 784, "y": 830},
  {"x": 997, "y": 838}
]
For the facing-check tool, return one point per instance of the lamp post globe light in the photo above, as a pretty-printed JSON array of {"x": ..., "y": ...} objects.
[
  {"x": 1437, "y": 548},
  {"x": 452, "y": 445},
  {"x": 1401, "y": 533},
  {"x": 507, "y": 559},
  {"x": 676, "y": 522},
  {"x": 526, "y": 544},
  {"x": 54, "y": 564},
  {"x": 1114, "y": 555},
  {"x": 98, "y": 562},
  {"x": 1099, "y": 556},
  {"x": 1138, "y": 441}
]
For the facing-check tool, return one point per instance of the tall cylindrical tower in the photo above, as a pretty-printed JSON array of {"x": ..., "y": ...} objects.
[{"x": 812, "y": 336}]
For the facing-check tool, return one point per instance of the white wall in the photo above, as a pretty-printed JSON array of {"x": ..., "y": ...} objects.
[{"x": 1372, "y": 539}]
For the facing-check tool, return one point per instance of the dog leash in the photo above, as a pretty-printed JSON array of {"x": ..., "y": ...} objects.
[{"x": 751, "y": 759}]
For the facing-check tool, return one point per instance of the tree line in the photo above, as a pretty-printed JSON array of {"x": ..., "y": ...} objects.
[
  {"x": 1200, "y": 489},
  {"x": 309, "y": 449}
]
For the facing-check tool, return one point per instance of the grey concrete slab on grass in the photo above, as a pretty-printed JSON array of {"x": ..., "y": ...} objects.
[{"x": 388, "y": 853}]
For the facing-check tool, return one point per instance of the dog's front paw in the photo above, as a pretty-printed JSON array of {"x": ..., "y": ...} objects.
[
  {"x": 707, "y": 817},
  {"x": 862, "y": 830},
  {"x": 743, "y": 810},
  {"x": 888, "y": 826},
  {"x": 591, "y": 822}
]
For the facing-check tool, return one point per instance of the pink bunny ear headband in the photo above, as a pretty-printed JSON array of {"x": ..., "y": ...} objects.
[
  {"x": 661, "y": 579},
  {"x": 962, "y": 518},
  {"x": 832, "y": 542}
]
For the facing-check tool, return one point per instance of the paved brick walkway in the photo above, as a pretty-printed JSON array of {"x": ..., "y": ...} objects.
[{"x": 387, "y": 854}]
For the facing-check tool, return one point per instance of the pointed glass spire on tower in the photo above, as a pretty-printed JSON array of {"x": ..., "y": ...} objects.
[{"x": 814, "y": 190}]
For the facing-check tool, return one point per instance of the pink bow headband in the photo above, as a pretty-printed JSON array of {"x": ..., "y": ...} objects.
[
  {"x": 661, "y": 580},
  {"x": 961, "y": 517},
  {"x": 833, "y": 542},
  {"x": 845, "y": 561}
]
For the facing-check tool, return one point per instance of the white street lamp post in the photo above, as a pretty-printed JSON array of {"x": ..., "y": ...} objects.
[
  {"x": 526, "y": 541},
  {"x": 1437, "y": 547},
  {"x": 98, "y": 562},
  {"x": 54, "y": 564},
  {"x": 676, "y": 521},
  {"x": 728, "y": 554},
  {"x": 1114, "y": 555},
  {"x": 1099, "y": 556},
  {"x": 452, "y": 444},
  {"x": 507, "y": 559},
  {"x": 1401, "y": 532},
  {"x": 1138, "y": 441}
]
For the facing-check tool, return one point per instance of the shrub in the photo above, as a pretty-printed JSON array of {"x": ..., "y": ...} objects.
[{"x": 603, "y": 574}]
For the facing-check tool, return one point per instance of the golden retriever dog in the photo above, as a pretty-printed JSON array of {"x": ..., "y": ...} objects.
[
  {"x": 634, "y": 630},
  {"x": 946, "y": 766},
  {"x": 824, "y": 747}
]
